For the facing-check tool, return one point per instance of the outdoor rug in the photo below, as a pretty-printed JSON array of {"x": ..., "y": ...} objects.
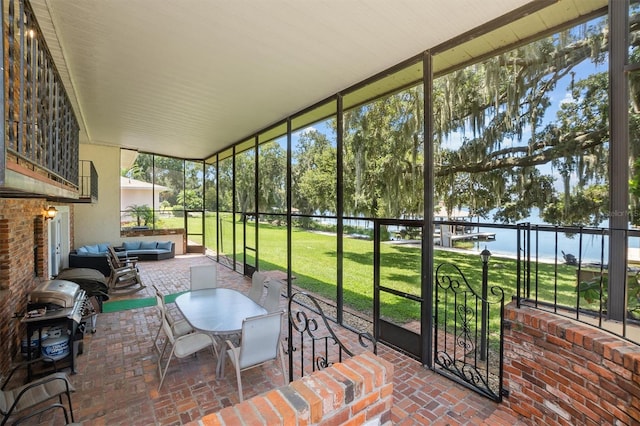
[{"x": 122, "y": 305}]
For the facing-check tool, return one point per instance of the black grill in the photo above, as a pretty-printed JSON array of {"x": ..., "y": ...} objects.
[{"x": 69, "y": 317}]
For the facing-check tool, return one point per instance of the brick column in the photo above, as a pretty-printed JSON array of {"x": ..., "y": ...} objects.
[{"x": 353, "y": 392}]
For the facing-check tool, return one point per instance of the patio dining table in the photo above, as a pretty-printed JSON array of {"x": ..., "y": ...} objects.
[{"x": 219, "y": 312}]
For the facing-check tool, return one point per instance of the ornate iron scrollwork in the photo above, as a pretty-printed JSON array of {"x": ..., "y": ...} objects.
[
  {"x": 317, "y": 336},
  {"x": 458, "y": 330}
]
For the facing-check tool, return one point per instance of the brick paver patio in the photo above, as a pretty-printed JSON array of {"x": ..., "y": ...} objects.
[{"x": 117, "y": 379}]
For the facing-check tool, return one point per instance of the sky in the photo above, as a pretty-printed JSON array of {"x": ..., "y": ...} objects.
[{"x": 559, "y": 96}]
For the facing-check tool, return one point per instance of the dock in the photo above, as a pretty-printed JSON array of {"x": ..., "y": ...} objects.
[{"x": 474, "y": 236}]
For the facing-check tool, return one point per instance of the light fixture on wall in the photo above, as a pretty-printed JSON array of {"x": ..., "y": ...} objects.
[{"x": 50, "y": 212}]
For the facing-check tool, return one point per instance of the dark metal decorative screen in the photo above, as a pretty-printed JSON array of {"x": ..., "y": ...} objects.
[
  {"x": 468, "y": 338},
  {"x": 314, "y": 344},
  {"x": 41, "y": 128}
]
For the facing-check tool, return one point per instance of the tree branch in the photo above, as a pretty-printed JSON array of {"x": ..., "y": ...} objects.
[{"x": 576, "y": 144}]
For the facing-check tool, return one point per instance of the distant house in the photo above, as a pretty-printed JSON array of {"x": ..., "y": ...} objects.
[{"x": 137, "y": 192}]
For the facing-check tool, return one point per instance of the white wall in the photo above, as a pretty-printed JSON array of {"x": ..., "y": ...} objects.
[
  {"x": 138, "y": 197},
  {"x": 100, "y": 222},
  {"x": 130, "y": 197}
]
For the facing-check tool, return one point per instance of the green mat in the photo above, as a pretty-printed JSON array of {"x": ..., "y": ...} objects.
[
  {"x": 122, "y": 305},
  {"x": 170, "y": 298}
]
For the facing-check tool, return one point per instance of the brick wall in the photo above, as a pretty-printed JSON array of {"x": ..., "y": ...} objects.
[
  {"x": 357, "y": 391},
  {"x": 22, "y": 228},
  {"x": 561, "y": 372}
]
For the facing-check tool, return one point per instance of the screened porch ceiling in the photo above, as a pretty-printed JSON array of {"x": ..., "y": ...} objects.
[{"x": 188, "y": 78}]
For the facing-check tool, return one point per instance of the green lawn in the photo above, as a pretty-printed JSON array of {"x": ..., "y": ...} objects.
[{"x": 314, "y": 265}]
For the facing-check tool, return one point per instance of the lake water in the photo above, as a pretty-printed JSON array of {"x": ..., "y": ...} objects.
[
  {"x": 505, "y": 242},
  {"x": 592, "y": 245}
]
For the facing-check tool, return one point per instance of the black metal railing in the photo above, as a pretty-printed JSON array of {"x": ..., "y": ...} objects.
[
  {"x": 88, "y": 180},
  {"x": 313, "y": 343},
  {"x": 563, "y": 269},
  {"x": 576, "y": 284},
  {"x": 468, "y": 332}
]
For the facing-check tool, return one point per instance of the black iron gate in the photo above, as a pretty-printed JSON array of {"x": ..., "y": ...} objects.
[{"x": 468, "y": 338}]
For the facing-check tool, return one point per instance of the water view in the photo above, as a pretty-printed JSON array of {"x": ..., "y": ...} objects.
[
  {"x": 504, "y": 241},
  {"x": 594, "y": 247}
]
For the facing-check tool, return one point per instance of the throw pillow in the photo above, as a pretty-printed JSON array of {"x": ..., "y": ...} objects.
[
  {"x": 82, "y": 251},
  {"x": 103, "y": 248},
  {"x": 93, "y": 249}
]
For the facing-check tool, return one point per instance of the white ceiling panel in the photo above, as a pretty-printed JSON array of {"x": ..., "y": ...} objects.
[{"x": 188, "y": 78}]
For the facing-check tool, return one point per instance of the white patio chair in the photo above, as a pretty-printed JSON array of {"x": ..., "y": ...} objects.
[
  {"x": 272, "y": 300},
  {"x": 179, "y": 327},
  {"x": 203, "y": 276},
  {"x": 181, "y": 347},
  {"x": 20, "y": 399},
  {"x": 260, "y": 343},
  {"x": 257, "y": 286}
]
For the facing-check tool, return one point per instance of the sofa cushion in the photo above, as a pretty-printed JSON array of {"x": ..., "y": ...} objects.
[
  {"x": 164, "y": 245},
  {"x": 94, "y": 249},
  {"x": 139, "y": 252},
  {"x": 131, "y": 245},
  {"x": 148, "y": 245},
  {"x": 103, "y": 248},
  {"x": 82, "y": 251}
]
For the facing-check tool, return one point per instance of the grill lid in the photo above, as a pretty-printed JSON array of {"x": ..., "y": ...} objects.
[{"x": 59, "y": 292}]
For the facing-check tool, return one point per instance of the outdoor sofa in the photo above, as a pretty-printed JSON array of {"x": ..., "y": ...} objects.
[
  {"x": 95, "y": 256},
  {"x": 149, "y": 250}
]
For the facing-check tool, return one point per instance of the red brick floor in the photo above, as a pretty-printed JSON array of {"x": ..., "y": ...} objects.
[{"x": 117, "y": 379}]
